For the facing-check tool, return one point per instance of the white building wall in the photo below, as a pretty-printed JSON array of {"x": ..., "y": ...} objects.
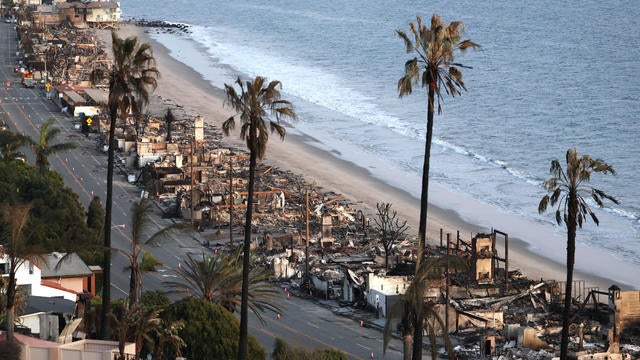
[
  {"x": 32, "y": 321},
  {"x": 26, "y": 274},
  {"x": 381, "y": 286},
  {"x": 391, "y": 285},
  {"x": 30, "y": 275},
  {"x": 46, "y": 291}
]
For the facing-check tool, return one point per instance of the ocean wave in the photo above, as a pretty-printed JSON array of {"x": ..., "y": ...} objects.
[
  {"x": 520, "y": 174},
  {"x": 319, "y": 87}
]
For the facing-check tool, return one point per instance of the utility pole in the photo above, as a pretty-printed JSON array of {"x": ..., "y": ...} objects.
[
  {"x": 446, "y": 305},
  {"x": 306, "y": 247},
  {"x": 192, "y": 183}
]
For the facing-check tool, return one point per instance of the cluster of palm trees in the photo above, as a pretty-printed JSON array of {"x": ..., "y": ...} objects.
[
  {"x": 434, "y": 67},
  {"x": 16, "y": 247},
  {"x": 43, "y": 147},
  {"x": 17, "y": 251},
  {"x": 132, "y": 78},
  {"x": 260, "y": 109}
]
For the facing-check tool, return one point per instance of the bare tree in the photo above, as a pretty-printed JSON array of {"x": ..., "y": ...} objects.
[{"x": 390, "y": 229}]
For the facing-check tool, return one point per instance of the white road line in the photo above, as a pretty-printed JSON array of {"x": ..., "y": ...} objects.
[
  {"x": 362, "y": 346},
  {"x": 315, "y": 326},
  {"x": 115, "y": 286}
]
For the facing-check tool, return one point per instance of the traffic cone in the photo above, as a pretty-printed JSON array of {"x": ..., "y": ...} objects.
[
  {"x": 179, "y": 266},
  {"x": 278, "y": 316},
  {"x": 361, "y": 323},
  {"x": 288, "y": 296},
  {"x": 372, "y": 354}
]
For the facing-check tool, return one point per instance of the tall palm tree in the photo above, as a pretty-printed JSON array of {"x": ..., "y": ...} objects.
[
  {"x": 255, "y": 103},
  {"x": 43, "y": 147},
  {"x": 565, "y": 192},
  {"x": 132, "y": 78},
  {"x": 218, "y": 279},
  {"x": 17, "y": 251},
  {"x": 433, "y": 67}
]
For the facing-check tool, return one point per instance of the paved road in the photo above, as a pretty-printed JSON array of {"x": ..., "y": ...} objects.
[{"x": 84, "y": 170}]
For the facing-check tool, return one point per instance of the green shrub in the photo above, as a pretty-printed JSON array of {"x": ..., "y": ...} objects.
[{"x": 211, "y": 331}]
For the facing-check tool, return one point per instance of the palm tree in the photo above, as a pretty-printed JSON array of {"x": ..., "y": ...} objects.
[
  {"x": 432, "y": 67},
  {"x": 167, "y": 333},
  {"x": 10, "y": 144},
  {"x": 139, "y": 219},
  {"x": 145, "y": 325},
  {"x": 17, "y": 251},
  {"x": 131, "y": 79},
  {"x": 43, "y": 147},
  {"x": 429, "y": 314},
  {"x": 139, "y": 260},
  {"x": 135, "y": 324},
  {"x": 254, "y": 104},
  {"x": 218, "y": 279},
  {"x": 565, "y": 189}
]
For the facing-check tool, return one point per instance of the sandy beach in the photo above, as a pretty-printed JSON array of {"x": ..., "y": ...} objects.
[{"x": 181, "y": 85}]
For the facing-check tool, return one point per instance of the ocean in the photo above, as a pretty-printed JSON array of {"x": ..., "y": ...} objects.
[{"x": 549, "y": 76}]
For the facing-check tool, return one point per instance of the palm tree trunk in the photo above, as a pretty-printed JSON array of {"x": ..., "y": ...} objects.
[
  {"x": 422, "y": 229},
  {"x": 424, "y": 195},
  {"x": 106, "y": 275},
  {"x": 407, "y": 342},
  {"x": 418, "y": 326},
  {"x": 571, "y": 253},
  {"x": 230, "y": 201},
  {"x": 407, "y": 333},
  {"x": 133, "y": 282},
  {"x": 10, "y": 322},
  {"x": 244, "y": 308},
  {"x": 138, "y": 346},
  {"x": 11, "y": 298}
]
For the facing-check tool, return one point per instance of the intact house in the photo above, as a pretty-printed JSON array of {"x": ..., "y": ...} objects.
[
  {"x": 96, "y": 14},
  {"x": 53, "y": 278},
  {"x": 70, "y": 272}
]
